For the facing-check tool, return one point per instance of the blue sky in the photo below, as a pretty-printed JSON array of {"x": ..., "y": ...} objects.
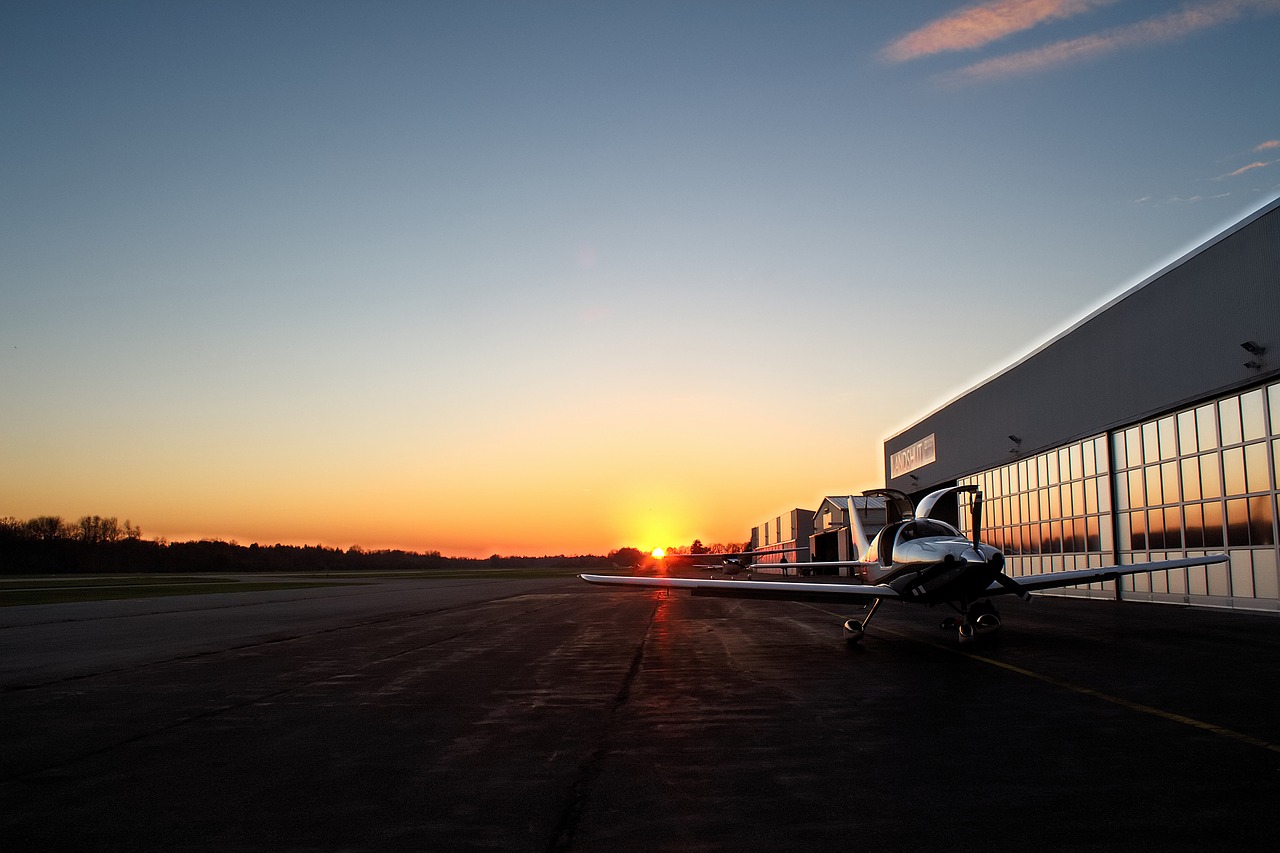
[{"x": 380, "y": 273}]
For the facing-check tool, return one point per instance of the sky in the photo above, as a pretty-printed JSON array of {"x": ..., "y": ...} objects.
[{"x": 562, "y": 277}]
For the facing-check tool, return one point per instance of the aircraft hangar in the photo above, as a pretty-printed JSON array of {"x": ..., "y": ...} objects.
[{"x": 1149, "y": 430}]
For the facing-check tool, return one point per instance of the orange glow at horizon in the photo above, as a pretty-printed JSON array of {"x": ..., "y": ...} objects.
[
  {"x": 565, "y": 477},
  {"x": 659, "y": 553}
]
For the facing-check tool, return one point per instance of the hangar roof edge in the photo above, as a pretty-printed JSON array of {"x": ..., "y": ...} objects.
[{"x": 1243, "y": 223}]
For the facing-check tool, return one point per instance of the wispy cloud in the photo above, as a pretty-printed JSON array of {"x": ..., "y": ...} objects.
[
  {"x": 1260, "y": 164},
  {"x": 1178, "y": 199},
  {"x": 1250, "y": 168},
  {"x": 1161, "y": 29},
  {"x": 980, "y": 24},
  {"x": 1269, "y": 145}
]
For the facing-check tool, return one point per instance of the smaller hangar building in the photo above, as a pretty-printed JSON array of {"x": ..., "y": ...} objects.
[
  {"x": 832, "y": 539},
  {"x": 804, "y": 535},
  {"x": 1149, "y": 430}
]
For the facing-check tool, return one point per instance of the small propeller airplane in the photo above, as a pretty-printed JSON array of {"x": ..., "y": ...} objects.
[
  {"x": 736, "y": 563},
  {"x": 916, "y": 559}
]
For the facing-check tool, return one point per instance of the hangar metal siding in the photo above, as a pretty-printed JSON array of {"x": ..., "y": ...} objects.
[{"x": 1170, "y": 341}]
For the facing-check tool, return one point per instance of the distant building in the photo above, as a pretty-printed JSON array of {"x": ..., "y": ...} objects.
[
  {"x": 786, "y": 536},
  {"x": 1149, "y": 430}
]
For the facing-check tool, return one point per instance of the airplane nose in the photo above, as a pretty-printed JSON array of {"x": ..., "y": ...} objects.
[{"x": 975, "y": 556}]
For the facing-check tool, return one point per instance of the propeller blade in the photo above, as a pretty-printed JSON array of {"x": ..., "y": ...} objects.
[
  {"x": 977, "y": 520},
  {"x": 1012, "y": 585}
]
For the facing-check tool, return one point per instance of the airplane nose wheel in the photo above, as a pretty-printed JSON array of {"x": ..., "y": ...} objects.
[{"x": 980, "y": 620}]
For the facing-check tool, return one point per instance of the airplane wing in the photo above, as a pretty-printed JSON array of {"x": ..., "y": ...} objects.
[
  {"x": 731, "y": 554},
  {"x": 816, "y": 564},
  {"x": 825, "y": 591},
  {"x": 1053, "y": 580}
]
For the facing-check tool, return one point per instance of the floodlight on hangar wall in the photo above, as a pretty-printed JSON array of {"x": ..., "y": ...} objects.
[{"x": 1254, "y": 349}]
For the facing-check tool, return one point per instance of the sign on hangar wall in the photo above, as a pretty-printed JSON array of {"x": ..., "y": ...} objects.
[{"x": 916, "y": 456}]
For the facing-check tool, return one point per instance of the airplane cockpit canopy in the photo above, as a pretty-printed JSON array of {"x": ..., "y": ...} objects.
[
  {"x": 921, "y": 527},
  {"x": 904, "y": 531}
]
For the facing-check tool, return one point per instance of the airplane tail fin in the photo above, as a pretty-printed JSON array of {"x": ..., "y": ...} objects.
[{"x": 857, "y": 533}]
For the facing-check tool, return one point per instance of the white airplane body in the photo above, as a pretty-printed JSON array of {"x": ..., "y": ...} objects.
[{"x": 917, "y": 560}]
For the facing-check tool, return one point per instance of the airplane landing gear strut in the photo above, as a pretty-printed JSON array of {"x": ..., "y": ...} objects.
[
  {"x": 980, "y": 620},
  {"x": 855, "y": 628}
]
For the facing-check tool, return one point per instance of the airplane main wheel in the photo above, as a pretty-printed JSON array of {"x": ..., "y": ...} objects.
[
  {"x": 984, "y": 620},
  {"x": 981, "y": 608}
]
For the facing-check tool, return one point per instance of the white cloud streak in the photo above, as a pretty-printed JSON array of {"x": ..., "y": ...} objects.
[
  {"x": 1178, "y": 199},
  {"x": 1261, "y": 164},
  {"x": 978, "y": 25},
  {"x": 1162, "y": 29}
]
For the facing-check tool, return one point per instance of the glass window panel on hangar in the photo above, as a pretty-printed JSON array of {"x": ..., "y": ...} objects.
[
  {"x": 1187, "y": 444},
  {"x": 1266, "y": 582},
  {"x": 1257, "y": 471},
  {"x": 1206, "y": 427},
  {"x": 1275, "y": 460},
  {"x": 1219, "y": 580},
  {"x": 1233, "y": 471},
  {"x": 1193, "y": 515},
  {"x": 1172, "y": 527},
  {"x": 1253, "y": 415},
  {"x": 1241, "y": 574},
  {"x": 1169, "y": 482},
  {"x": 1168, "y": 438},
  {"x": 1214, "y": 536},
  {"x": 1211, "y": 475},
  {"x": 1273, "y": 407},
  {"x": 1229, "y": 421},
  {"x": 1261, "y": 521}
]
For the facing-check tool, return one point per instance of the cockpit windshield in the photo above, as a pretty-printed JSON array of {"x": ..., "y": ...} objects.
[
  {"x": 904, "y": 531},
  {"x": 922, "y": 527}
]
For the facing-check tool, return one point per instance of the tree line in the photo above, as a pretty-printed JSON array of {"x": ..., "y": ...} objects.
[
  {"x": 49, "y": 544},
  {"x": 718, "y": 548},
  {"x": 90, "y": 529}
]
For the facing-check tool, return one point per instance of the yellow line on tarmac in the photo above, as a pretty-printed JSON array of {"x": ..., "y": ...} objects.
[
  {"x": 1221, "y": 731},
  {"x": 1172, "y": 717}
]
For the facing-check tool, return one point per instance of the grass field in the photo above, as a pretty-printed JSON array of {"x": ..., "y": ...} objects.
[
  {"x": 60, "y": 589},
  {"x": 466, "y": 574}
]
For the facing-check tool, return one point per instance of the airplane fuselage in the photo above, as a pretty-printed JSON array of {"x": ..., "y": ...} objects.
[
  {"x": 937, "y": 569},
  {"x": 930, "y": 562}
]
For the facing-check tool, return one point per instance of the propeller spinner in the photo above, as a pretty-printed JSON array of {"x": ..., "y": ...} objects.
[{"x": 1001, "y": 578}]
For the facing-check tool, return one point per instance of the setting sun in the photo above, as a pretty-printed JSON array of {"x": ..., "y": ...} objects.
[{"x": 659, "y": 553}]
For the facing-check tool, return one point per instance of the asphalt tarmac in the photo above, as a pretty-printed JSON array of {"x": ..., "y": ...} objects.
[{"x": 554, "y": 716}]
